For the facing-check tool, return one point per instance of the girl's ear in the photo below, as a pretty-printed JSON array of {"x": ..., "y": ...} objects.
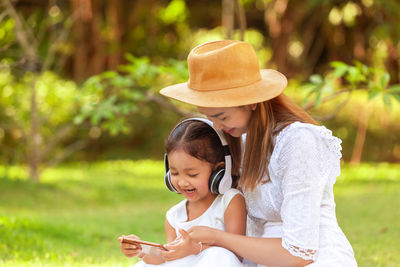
[{"x": 219, "y": 165}]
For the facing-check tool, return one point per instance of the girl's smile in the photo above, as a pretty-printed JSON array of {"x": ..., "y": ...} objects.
[{"x": 189, "y": 193}]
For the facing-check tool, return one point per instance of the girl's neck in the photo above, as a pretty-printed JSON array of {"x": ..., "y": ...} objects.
[{"x": 195, "y": 209}]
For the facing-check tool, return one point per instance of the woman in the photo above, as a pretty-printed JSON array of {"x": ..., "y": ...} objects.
[{"x": 289, "y": 164}]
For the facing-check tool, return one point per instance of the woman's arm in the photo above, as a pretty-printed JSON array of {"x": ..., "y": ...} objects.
[{"x": 266, "y": 251}]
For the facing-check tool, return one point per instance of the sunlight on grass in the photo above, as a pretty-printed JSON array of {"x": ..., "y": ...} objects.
[
  {"x": 382, "y": 172},
  {"x": 74, "y": 216}
]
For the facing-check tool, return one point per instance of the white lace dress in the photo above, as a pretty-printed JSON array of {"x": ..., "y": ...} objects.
[{"x": 297, "y": 204}]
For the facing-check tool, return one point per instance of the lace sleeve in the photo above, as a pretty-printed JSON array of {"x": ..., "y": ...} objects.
[{"x": 304, "y": 173}]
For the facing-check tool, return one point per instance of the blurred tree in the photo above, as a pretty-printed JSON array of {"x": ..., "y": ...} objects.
[
  {"x": 113, "y": 97},
  {"x": 38, "y": 104},
  {"x": 87, "y": 39},
  {"x": 229, "y": 8},
  {"x": 346, "y": 79},
  {"x": 302, "y": 36},
  {"x": 306, "y": 35}
]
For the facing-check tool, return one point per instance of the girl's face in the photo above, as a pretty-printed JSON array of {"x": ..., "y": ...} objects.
[
  {"x": 190, "y": 176},
  {"x": 232, "y": 120}
]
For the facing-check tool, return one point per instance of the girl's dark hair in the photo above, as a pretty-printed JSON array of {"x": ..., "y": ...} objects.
[{"x": 198, "y": 140}]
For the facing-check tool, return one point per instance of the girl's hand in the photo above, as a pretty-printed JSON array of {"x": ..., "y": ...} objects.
[
  {"x": 205, "y": 235},
  {"x": 181, "y": 247},
  {"x": 130, "y": 250}
]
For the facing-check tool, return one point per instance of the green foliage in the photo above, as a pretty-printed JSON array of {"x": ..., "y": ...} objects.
[
  {"x": 57, "y": 100},
  {"x": 175, "y": 12},
  {"x": 382, "y": 141},
  {"x": 120, "y": 102},
  {"x": 73, "y": 218},
  {"x": 349, "y": 78},
  {"x": 112, "y": 97},
  {"x": 7, "y": 35}
]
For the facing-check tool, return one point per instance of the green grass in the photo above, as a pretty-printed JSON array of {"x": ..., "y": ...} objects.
[
  {"x": 74, "y": 216},
  {"x": 368, "y": 211}
]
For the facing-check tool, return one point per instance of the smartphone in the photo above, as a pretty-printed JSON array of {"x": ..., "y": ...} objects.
[{"x": 142, "y": 243}]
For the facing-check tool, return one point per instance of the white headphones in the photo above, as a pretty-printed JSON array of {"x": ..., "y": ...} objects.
[{"x": 221, "y": 179}]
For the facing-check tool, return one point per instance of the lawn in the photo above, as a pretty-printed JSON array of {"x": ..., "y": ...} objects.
[{"x": 74, "y": 216}]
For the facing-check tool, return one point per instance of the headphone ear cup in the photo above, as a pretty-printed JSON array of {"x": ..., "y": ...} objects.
[
  {"x": 168, "y": 183},
  {"x": 215, "y": 180},
  {"x": 167, "y": 176}
]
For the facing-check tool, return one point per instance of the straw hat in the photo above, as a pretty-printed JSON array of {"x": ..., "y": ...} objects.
[{"x": 226, "y": 74}]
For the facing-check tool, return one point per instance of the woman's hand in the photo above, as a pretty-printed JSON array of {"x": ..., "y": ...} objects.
[
  {"x": 181, "y": 247},
  {"x": 205, "y": 235},
  {"x": 130, "y": 250}
]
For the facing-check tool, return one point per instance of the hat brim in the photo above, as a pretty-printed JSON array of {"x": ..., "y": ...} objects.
[{"x": 272, "y": 84}]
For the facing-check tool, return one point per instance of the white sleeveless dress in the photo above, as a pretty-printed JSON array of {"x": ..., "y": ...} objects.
[
  {"x": 297, "y": 204},
  {"x": 212, "y": 217}
]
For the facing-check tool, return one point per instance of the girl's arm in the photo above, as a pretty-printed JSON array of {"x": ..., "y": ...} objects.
[
  {"x": 266, "y": 251},
  {"x": 156, "y": 259},
  {"x": 235, "y": 217},
  {"x": 170, "y": 233}
]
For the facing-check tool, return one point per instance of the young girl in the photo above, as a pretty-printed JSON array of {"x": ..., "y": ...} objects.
[
  {"x": 198, "y": 166},
  {"x": 289, "y": 164}
]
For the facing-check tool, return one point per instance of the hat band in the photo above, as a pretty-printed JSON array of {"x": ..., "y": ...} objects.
[{"x": 198, "y": 88}]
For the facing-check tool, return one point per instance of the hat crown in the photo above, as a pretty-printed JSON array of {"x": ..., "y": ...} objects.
[{"x": 222, "y": 65}]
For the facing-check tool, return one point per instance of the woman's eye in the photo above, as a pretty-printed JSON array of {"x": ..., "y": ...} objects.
[
  {"x": 193, "y": 175},
  {"x": 224, "y": 118},
  {"x": 174, "y": 173}
]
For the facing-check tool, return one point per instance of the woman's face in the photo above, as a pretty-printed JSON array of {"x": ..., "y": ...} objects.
[{"x": 232, "y": 120}]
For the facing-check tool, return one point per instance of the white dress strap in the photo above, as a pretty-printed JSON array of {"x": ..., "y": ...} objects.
[{"x": 228, "y": 196}]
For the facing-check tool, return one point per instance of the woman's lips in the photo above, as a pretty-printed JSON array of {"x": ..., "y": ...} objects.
[{"x": 229, "y": 131}]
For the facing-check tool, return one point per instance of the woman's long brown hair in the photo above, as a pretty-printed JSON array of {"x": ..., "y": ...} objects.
[{"x": 266, "y": 121}]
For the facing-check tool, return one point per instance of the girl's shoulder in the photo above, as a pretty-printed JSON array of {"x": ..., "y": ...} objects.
[
  {"x": 231, "y": 193},
  {"x": 228, "y": 196}
]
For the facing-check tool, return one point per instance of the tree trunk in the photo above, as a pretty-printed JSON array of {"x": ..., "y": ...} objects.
[
  {"x": 279, "y": 31},
  {"x": 79, "y": 30},
  {"x": 113, "y": 13},
  {"x": 228, "y": 8},
  {"x": 241, "y": 18},
  {"x": 34, "y": 156},
  {"x": 97, "y": 62},
  {"x": 360, "y": 138}
]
